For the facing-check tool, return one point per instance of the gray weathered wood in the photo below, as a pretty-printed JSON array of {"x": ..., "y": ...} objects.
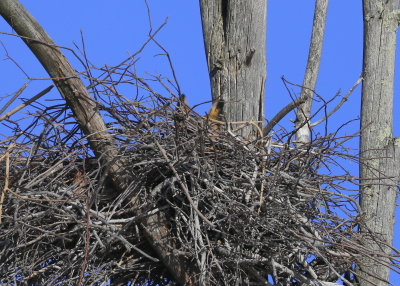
[
  {"x": 64, "y": 77},
  {"x": 380, "y": 161},
  {"x": 87, "y": 115},
  {"x": 312, "y": 70},
  {"x": 234, "y": 36}
]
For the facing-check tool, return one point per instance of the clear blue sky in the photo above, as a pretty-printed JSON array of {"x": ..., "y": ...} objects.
[{"x": 113, "y": 30}]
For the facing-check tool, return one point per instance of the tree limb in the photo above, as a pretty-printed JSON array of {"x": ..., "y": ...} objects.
[
  {"x": 90, "y": 120},
  {"x": 344, "y": 99},
  {"x": 311, "y": 74},
  {"x": 284, "y": 111}
]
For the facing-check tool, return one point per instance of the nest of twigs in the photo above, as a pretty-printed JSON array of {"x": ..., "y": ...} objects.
[{"x": 241, "y": 211}]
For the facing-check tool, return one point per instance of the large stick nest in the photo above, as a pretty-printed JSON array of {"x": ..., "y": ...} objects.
[{"x": 240, "y": 210}]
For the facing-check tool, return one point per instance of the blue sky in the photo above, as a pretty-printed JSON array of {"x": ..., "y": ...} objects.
[{"x": 113, "y": 31}]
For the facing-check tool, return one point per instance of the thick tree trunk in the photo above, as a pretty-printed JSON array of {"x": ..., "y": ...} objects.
[
  {"x": 312, "y": 70},
  {"x": 234, "y": 36},
  {"x": 89, "y": 118},
  {"x": 380, "y": 161}
]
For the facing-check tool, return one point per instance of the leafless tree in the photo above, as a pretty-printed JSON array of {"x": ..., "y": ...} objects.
[
  {"x": 88, "y": 117},
  {"x": 310, "y": 78},
  {"x": 169, "y": 193},
  {"x": 379, "y": 150}
]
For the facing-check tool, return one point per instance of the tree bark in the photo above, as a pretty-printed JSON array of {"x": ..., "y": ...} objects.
[
  {"x": 380, "y": 164},
  {"x": 90, "y": 120},
  {"x": 234, "y": 37},
  {"x": 312, "y": 70}
]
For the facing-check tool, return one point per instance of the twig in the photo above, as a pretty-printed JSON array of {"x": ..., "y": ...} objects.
[
  {"x": 29, "y": 101},
  {"x": 15, "y": 96},
  {"x": 6, "y": 180},
  {"x": 87, "y": 239},
  {"x": 184, "y": 188},
  {"x": 344, "y": 99}
]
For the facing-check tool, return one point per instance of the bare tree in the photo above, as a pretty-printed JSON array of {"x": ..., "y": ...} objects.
[
  {"x": 89, "y": 119},
  {"x": 379, "y": 150},
  {"x": 209, "y": 206},
  {"x": 310, "y": 77},
  {"x": 235, "y": 51}
]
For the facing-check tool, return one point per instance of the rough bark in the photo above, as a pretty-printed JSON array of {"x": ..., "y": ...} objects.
[
  {"x": 234, "y": 36},
  {"x": 90, "y": 120},
  {"x": 380, "y": 164},
  {"x": 312, "y": 70}
]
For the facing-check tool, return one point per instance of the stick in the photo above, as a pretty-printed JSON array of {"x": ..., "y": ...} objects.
[{"x": 18, "y": 108}]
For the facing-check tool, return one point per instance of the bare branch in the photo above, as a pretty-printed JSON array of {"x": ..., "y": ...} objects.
[
  {"x": 281, "y": 114},
  {"x": 311, "y": 74},
  {"x": 26, "y": 103},
  {"x": 342, "y": 101}
]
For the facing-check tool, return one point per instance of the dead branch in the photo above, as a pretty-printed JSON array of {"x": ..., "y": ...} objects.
[
  {"x": 271, "y": 210},
  {"x": 337, "y": 107},
  {"x": 198, "y": 204}
]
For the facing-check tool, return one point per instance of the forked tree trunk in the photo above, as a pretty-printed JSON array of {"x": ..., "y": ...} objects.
[
  {"x": 312, "y": 70},
  {"x": 234, "y": 36},
  {"x": 380, "y": 156}
]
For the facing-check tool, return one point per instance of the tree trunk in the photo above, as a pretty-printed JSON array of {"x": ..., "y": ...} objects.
[
  {"x": 90, "y": 120},
  {"x": 312, "y": 70},
  {"x": 234, "y": 36},
  {"x": 379, "y": 167}
]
